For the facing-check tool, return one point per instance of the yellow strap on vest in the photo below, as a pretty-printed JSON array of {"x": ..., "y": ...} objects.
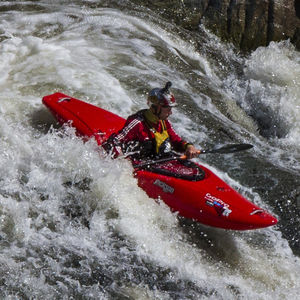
[{"x": 160, "y": 137}]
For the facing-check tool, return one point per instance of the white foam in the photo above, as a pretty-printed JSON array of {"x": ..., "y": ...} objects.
[{"x": 277, "y": 72}]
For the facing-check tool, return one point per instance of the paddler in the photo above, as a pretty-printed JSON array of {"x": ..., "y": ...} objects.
[{"x": 148, "y": 133}]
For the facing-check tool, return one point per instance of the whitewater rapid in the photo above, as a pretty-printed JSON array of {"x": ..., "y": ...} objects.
[{"x": 73, "y": 223}]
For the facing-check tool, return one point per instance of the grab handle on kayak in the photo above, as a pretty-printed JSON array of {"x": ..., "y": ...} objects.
[
  {"x": 64, "y": 99},
  {"x": 257, "y": 211}
]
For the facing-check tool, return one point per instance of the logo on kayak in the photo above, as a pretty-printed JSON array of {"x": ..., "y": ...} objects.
[
  {"x": 166, "y": 188},
  {"x": 220, "y": 206}
]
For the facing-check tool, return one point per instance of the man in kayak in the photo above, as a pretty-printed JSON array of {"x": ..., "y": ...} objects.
[{"x": 148, "y": 133}]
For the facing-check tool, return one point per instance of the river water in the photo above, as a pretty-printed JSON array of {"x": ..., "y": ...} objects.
[{"x": 74, "y": 225}]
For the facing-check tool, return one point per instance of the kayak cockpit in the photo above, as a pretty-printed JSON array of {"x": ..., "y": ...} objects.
[{"x": 182, "y": 169}]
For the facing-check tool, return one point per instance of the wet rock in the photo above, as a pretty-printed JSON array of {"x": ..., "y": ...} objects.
[{"x": 248, "y": 24}]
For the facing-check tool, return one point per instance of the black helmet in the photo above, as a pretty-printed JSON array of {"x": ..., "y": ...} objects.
[{"x": 162, "y": 96}]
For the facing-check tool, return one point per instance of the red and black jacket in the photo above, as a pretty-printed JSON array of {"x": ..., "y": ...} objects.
[{"x": 137, "y": 137}]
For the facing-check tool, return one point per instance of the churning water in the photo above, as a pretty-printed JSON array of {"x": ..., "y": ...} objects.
[{"x": 74, "y": 224}]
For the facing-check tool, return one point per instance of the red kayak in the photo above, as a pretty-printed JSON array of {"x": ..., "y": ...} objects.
[{"x": 187, "y": 188}]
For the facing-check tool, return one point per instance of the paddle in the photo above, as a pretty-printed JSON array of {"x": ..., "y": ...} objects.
[{"x": 222, "y": 150}]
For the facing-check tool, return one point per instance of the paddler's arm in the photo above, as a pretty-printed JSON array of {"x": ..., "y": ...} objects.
[
  {"x": 181, "y": 145},
  {"x": 117, "y": 142}
]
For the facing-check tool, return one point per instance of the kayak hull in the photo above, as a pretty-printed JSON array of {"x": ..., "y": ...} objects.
[{"x": 209, "y": 201}]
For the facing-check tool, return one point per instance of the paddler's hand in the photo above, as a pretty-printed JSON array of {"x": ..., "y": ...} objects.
[{"x": 191, "y": 151}]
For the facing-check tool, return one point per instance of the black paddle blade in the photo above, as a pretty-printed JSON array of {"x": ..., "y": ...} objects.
[{"x": 230, "y": 148}]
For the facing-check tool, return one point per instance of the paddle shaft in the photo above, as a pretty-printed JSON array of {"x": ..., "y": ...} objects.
[{"x": 222, "y": 150}]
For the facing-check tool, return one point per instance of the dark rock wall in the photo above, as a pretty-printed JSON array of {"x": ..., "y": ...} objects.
[{"x": 248, "y": 24}]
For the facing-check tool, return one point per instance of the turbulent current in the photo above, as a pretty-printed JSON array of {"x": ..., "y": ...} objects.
[{"x": 73, "y": 222}]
